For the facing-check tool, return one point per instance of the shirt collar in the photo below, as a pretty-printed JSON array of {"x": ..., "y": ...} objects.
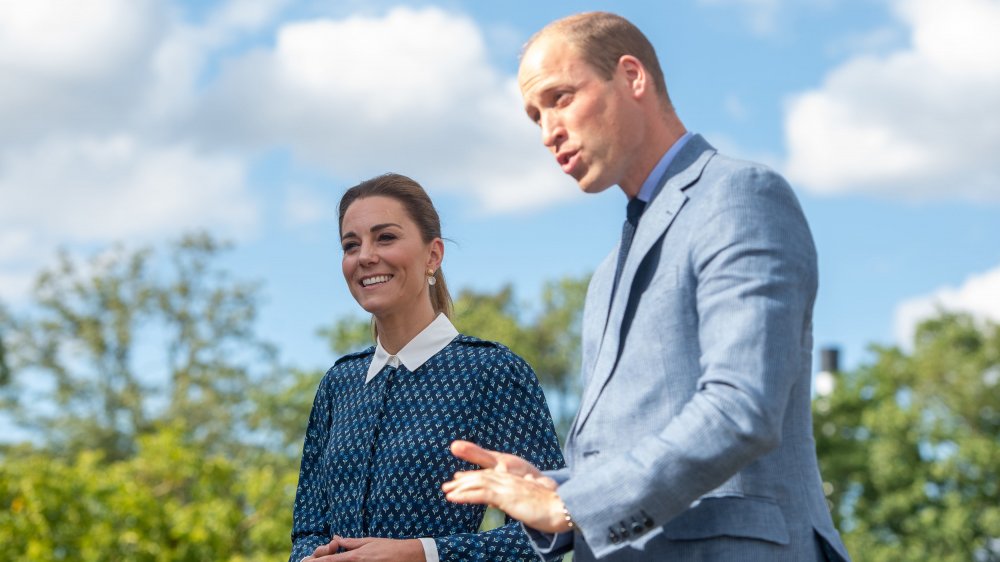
[
  {"x": 654, "y": 179},
  {"x": 417, "y": 351}
]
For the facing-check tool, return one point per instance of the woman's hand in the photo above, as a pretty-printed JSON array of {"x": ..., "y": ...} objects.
[{"x": 369, "y": 549}]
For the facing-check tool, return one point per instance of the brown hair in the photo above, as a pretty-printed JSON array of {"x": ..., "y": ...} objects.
[
  {"x": 602, "y": 38},
  {"x": 418, "y": 206}
]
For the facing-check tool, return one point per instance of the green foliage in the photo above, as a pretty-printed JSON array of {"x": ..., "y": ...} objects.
[
  {"x": 910, "y": 444},
  {"x": 158, "y": 441},
  {"x": 82, "y": 345},
  {"x": 172, "y": 501},
  {"x": 6, "y": 325},
  {"x": 281, "y": 408},
  {"x": 348, "y": 334}
]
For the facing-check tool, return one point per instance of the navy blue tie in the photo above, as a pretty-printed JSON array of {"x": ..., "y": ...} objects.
[{"x": 632, "y": 213}]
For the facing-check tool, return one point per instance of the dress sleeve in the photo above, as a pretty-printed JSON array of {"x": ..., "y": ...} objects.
[
  {"x": 309, "y": 522},
  {"x": 513, "y": 418}
]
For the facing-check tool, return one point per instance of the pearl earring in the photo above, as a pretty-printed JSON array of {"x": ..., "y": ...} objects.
[{"x": 430, "y": 277}]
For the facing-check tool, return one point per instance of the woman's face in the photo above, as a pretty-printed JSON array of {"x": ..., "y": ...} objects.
[{"x": 386, "y": 260}]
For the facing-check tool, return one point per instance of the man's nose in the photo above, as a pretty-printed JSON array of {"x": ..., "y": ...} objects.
[{"x": 553, "y": 132}]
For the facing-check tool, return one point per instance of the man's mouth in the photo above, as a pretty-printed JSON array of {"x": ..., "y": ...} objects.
[
  {"x": 567, "y": 161},
  {"x": 375, "y": 280}
]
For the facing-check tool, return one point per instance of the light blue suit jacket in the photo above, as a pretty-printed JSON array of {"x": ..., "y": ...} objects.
[{"x": 694, "y": 436}]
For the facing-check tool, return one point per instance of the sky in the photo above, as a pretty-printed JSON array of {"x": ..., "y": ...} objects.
[{"x": 140, "y": 120}]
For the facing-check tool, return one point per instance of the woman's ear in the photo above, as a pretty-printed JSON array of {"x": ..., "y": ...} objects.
[{"x": 436, "y": 254}]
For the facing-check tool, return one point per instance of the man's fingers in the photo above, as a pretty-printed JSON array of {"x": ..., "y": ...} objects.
[
  {"x": 467, "y": 492},
  {"x": 544, "y": 481},
  {"x": 474, "y": 453},
  {"x": 467, "y": 478},
  {"x": 462, "y": 474}
]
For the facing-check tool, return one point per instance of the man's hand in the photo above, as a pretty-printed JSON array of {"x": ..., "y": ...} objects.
[
  {"x": 369, "y": 549},
  {"x": 508, "y": 483}
]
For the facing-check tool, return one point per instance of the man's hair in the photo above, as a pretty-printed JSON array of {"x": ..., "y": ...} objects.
[{"x": 602, "y": 38}]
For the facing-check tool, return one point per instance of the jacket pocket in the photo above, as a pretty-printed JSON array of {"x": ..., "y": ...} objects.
[{"x": 734, "y": 516}]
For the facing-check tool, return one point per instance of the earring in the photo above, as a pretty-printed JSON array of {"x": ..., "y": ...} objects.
[{"x": 430, "y": 277}]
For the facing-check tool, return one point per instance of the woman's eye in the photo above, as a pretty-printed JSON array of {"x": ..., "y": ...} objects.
[
  {"x": 348, "y": 246},
  {"x": 386, "y": 237}
]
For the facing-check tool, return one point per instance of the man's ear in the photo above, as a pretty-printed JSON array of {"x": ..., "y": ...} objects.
[{"x": 634, "y": 73}]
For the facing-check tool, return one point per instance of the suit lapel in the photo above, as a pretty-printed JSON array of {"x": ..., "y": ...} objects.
[{"x": 667, "y": 203}]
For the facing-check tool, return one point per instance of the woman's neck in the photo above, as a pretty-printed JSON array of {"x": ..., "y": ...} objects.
[{"x": 395, "y": 331}]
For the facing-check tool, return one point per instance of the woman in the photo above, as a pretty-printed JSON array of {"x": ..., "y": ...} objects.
[{"x": 377, "y": 447}]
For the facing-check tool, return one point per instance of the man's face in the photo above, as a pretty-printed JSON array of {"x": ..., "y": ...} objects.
[{"x": 585, "y": 119}]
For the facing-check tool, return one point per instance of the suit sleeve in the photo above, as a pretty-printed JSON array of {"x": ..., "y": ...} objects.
[
  {"x": 756, "y": 280},
  {"x": 515, "y": 419},
  {"x": 309, "y": 521}
]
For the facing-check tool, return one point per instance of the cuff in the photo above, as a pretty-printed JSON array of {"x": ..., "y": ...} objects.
[
  {"x": 430, "y": 550},
  {"x": 549, "y": 545}
]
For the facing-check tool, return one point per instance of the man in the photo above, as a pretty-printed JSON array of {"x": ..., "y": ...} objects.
[{"x": 694, "y": 435}]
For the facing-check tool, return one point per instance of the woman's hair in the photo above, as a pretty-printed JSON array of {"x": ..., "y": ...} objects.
[{"x": 418, "y": 206}]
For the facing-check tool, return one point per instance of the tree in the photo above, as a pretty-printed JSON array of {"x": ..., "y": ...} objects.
[
  {"x": 174, "y": 500},
  {"x": 123, "y": 342},
  {"x": 909, "y": 447},
  {"x": 6, "y": 323}
]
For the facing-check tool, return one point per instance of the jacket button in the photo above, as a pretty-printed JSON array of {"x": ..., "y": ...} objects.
[
  {"x": 646, "y": 520},
  {"x": 623, "y": 530},
  {"x": 636, "y": 526},
  {"x": 613, "y": 537}
]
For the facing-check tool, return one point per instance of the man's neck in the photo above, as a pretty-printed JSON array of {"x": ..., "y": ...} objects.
[{"x": 661, "y": 138}]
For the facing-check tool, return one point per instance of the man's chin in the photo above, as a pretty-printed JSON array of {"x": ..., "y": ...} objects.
[{"x": 593, "y": 187}]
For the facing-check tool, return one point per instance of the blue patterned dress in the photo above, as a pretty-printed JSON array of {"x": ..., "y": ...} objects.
[{"x": 375, "y": 455}]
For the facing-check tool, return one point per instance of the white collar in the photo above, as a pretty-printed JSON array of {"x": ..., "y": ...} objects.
[{"x": 417, "y": 351}]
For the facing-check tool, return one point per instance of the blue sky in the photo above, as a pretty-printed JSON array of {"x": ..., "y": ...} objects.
[{"x": 138, "y": 120}]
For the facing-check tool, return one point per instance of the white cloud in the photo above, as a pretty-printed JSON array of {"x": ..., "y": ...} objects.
[
  {"x": 73, "y": 65},
  {"x": 97, "y": 189},
  {"x": 979, "y": 296},
  {"x": 122, "y": 121},
  {"x": 734, "y": 106},
  {"x": 916, "y": 123},
  {"x": 763, "y": 14},
  {"x": 93, "y": 147},
  {"x": 876, "y": 41},
  {"x": 78, "y": 190},
  {"x": 411, "y": 92},
  {"x": 305, "y": 206}
]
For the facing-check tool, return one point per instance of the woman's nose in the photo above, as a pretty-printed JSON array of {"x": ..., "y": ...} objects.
[{"x": 367, "y": 254}]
